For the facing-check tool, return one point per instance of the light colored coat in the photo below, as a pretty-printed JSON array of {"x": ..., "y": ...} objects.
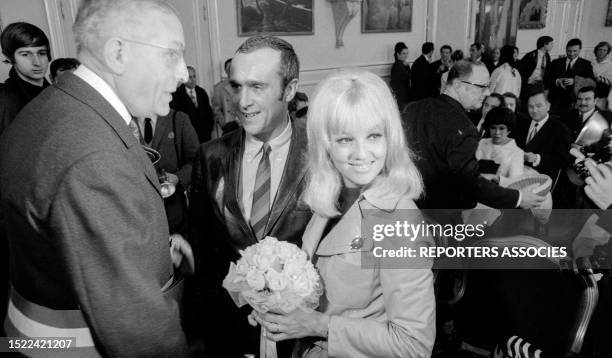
[{"x": 377, "y": 312}]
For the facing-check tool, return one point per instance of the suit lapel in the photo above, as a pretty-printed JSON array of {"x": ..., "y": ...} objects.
[
  {"x": 80, "y": 90},
  {"x": 293, "y": 174},
  {"x": 232, "y": 174},
  {"x": 161, "y": 130}
]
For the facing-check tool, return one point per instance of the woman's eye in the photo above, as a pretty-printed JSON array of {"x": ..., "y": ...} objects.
[
  {"x": 375, "y": 135},
  {"x": 343, "y": 140}
]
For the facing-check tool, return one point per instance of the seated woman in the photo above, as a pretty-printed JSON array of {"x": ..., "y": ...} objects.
[
  {"x": 498, "y": 156},
  {"x": 360, "y": 169}
]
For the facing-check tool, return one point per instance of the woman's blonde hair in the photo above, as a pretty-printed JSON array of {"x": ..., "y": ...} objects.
[{"x": 347, "y": 99}]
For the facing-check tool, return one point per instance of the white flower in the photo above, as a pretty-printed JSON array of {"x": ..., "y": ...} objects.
[
  {"x": 256, "y": 279},
  {"x": 276, "y": 280}
]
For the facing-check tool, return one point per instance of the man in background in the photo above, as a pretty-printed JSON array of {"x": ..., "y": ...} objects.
[
  {"x": 442, "y": 65},
  {"x": 225, "y": 118},
  {"x": 562, "y": 76},
  {"x": 422, "y": 76},
  {"x": 193, "y": 100},
  {"x": 533, "y": 66},
  {"x": 61, "y": 65}
]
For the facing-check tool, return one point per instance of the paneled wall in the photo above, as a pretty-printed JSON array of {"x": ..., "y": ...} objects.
[{"x": 211, "y": 33}]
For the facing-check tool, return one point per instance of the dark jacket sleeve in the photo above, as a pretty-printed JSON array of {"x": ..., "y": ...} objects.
[
  {"x": 104, "y": 237},
  {"x": 189, "y": 147},
  {"x": 558, "y": 156}
]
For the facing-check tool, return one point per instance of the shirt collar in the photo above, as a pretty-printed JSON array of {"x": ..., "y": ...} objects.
[
  {"x": 587, "y": 114},
  {"x": 95, "y": 81},
  {"x": 387, "y": 203},
  {"x": 252, "y": 145},
  {"x": 540, "y": 123}
]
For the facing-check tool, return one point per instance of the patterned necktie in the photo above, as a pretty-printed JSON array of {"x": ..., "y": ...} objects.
[
  {"x": 193, "y": 97},
  {"x": 148, "y": 131},
  {"x": 532, "y": 133},
  {"x": 136, "y": 131},
  {"x": 260, "y": 211}
]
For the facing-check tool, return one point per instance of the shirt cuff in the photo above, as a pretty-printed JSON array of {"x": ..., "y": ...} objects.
[{"x": 520, "y": 197}]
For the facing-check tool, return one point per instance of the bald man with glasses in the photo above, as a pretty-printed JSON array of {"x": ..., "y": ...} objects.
[
  {"x": 445, "y": 141},
  {"x": 90, "y": 255}
]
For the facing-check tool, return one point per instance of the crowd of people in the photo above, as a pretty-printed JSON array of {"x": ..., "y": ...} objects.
[{"x": 125, "y": 191}]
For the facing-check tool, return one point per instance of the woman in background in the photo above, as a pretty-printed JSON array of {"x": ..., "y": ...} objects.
[
  {"x": 400, "y": 75},
  {"x": 360, "y": 170},
  {"x": 506, "y": 78}
]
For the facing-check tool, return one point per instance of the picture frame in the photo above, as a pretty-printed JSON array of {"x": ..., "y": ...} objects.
[
  {"x": 275, "y": 17},
  {"x": 380, "y": 16},
  {"x": 609, "y": 14},
  {"x": 532, "y": 14}
]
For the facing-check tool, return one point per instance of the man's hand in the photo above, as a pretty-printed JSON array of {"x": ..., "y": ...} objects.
[
  {"x": 530, "y": 157},
  {"x": 529, "y": 199},
  {"x": 172, "y": 178},
  {"x": 599, "y": 185},
  {"x": 181, "y": 254},
  {"x": 492, "y": 177}
]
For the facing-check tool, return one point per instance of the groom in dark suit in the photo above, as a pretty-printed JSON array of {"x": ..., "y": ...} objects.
[
  {"x": 84, "y": 216},
  {"x": 247, "y": 185}
]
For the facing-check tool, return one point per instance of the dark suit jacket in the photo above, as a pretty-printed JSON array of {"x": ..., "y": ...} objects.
[
  {"x": 573, "y": 121},
  {"x": 422, "y": 79},
  {"x": 85, "y": 221},
  {"x": 528, "y": 63},
  {"x": 400, "y": 83},
  {"x": 551, "y": 142},
  {"x": 219, "y": 229},
  {"x": 561, "y": 99},
  {"x": 445, "y": 141},
  {"x": 170, "y": 129},
  {"x": 526, "y": 66},
  {"x": 437, "y": 74},
  {"x": 201, "y": 117}
]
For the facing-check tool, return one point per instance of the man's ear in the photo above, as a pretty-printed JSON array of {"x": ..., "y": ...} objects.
[
  {"x": 115, "y": 55},
  {"x": 290, "y": 90}
]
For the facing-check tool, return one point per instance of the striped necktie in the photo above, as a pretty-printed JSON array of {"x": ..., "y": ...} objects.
[{"x": 260, "y": 211}]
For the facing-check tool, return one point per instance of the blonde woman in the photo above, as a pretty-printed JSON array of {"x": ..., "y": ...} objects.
[{"x": 360, "y": 168}]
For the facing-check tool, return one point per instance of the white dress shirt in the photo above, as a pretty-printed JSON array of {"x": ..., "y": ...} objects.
[
  {"x": 279, "y": 149},
  {"x": 104, "y": 90},
  {"x": 537, "y": 74}
]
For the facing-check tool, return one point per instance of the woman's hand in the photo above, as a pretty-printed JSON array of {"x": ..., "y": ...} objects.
[{"x": 297, "y": 324}]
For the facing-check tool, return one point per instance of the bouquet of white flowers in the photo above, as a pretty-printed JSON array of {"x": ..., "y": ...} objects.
[{"x": 274, "y": 276}]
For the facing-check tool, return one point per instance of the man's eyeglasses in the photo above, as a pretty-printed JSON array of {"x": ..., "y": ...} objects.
[
  {"x": 174, "y": 54},
  {"x": 482, "y": 87}
]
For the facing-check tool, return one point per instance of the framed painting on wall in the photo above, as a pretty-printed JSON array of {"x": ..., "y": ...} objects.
[
  {"x": 275, "y": 17},
  {"x": 609, "y": 14},
  {"x": 386, "y": 16},
  {"x": 532, "y": 14},
  {"x": 496, "y": 23}
]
